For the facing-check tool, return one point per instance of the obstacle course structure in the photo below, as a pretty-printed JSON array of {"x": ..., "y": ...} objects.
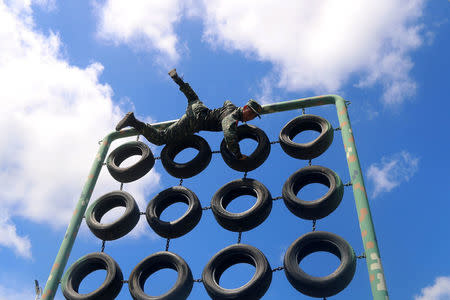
[{"x": 304, "y": 245}]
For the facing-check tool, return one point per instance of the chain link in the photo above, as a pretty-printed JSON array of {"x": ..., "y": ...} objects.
[
  {"x": 277, "y": 198},
  {"x": 167, "y": 244},
  {"x": 361, "y": 256},
  {"x": 121, "y": 185},
  {"x": 245, "y": 175},
  {"x": 348, "y": 184},
  {"x": 158, "y": 157},
  {"x": 206, "y": 207},
  {"x": 181, "y": 182},
  {"x": 314, "y": 225},
  {"x": 215, "y": 152},
  {"x": 198, "y": 280},
  {"x": 274, "y": 142},
  {"x": 337, "y": 129},
  {"x": 239, "y": 237},
  {"x": 309, "y": 162},
  {"x": 278, "y": 269},
  {"x": 103, "y": 246}
]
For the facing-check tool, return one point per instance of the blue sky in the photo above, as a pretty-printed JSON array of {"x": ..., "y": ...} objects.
[{"x": 70, "y": 70}]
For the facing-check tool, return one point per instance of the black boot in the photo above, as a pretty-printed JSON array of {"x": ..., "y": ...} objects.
[{"x": 129, "y": 120}]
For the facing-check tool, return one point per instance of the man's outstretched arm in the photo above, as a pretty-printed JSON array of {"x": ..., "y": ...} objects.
[{"x": 229, "y": 127}]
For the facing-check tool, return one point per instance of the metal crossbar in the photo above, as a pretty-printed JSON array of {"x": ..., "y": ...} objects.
[{"x": 372, "y": 253}]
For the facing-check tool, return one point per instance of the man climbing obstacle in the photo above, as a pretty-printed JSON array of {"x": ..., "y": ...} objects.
[{"x": 198, "y": 117}]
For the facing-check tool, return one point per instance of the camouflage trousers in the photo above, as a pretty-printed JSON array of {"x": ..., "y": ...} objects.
[{"x": 185, "y": 126}]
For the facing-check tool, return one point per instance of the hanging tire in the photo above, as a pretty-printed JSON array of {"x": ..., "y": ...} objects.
[
  {"x": 182, "y": 225},
  {"x": 119, "y": 228},
  {"x": 248, "y": 219},
  {"x": 231, "y": 255},
  {"x": 87, "y": 264},
  {"x": 135, "y": 171},
  {"x": 191, "y": 168},
  {"x": 154, "y": 263},
  {"x": 312, "y": 149},
  {"x": 326, "y": 286},
  {"x": 254, "y": 160},
  {"x": 319, "y": 208}
]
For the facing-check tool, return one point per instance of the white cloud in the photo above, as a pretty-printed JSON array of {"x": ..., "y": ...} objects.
[
  {"x": 314, "y": 46},
  {"x": 319, "y": 45},
  {"x": 439, "y": 291},
  {"x": 53, "y": 114},
  {"x": 9, "y": 238},
  {"x": 14, "y": 294},
  {"x": 392, "y": 171},
  {"x": 143, "y": 24}
]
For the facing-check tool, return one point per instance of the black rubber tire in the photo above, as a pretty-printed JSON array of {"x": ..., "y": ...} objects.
[
  {"x": 87, "y": 264},
  {"x": 249, "y": 219},
  {"x": 118, "y": 228},
  {"x": 311, "y": 149},
  {"x": 319, "y": 208},
  {"x": 229, "y": 256},
  {"x": 182, "y": 225},
  {"x": 191, "y": 168},
  {"x": 137, "y": 170},
  {"x": 326, "y": 286},
  {"x": 154, "y": 263},
  {"x": 254, "y": 160}
]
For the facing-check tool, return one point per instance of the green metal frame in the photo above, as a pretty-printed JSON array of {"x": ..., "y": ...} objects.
[{"x": 373, "y": 260}]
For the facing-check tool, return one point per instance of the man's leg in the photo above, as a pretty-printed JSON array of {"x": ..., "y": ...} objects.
[
  {"x": 152, "y": 134},
  {"x": 179, "y": 130}
]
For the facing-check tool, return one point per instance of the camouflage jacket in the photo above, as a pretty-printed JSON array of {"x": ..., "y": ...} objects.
[{"x": 224, "y": 119}]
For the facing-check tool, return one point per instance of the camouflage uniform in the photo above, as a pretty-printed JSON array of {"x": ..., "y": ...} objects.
[{"x": 198, "y": 117}]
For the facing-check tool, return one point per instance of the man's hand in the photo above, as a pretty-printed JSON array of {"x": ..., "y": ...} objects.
[{"x": 243, "y": 157}]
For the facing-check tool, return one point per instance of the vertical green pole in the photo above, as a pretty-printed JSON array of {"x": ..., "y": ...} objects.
[
  {"x": 69, "y": 238},
  {"x": 373, "y": 260}
]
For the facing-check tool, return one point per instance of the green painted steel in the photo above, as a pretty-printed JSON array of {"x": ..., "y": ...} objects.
[{"x": 373, "y": 260}]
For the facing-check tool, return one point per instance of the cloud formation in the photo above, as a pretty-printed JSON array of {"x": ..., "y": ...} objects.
[
  {"x": 392, "y": 171},
  {"x": 7, "y": 293},
  {"x": 439, "y": 291},
  {"x": 143, "y": 24},
  {"x": 317, "y": 46},
  {"x": 53, "y": 114}
]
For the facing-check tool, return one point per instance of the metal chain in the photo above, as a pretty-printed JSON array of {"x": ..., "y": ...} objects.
[
  {"x": 198, "y": 280},
  {"x": 124, "y": 281},
  {"x": 181, "y": 181},
  {"x": 278, "y": 269},
  {"x": 121, "y": 185},
  {"x": 215, "y": 152},
  {"x": 348, "y": 184},
  {"x": 362, "y": 256},
  {"x": 314, "y": 225},
  {"x": 309, "y": 162},
  {"x": 303, "y": 110},
  {"x": 277, "y": 198},
  {"x": 239, "y": 237},
  {"x": 167, "y": 244},
  {"x": 142, "y": 213},
  {"x": 337, "y": 129},
  {"x": 206, "y": 207},
  {"x": 274, "y": 142},
  {"x": 245, "y": 175},
  {"x": 158, "y": 157},
  {"x": 103, "y": 246}
]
